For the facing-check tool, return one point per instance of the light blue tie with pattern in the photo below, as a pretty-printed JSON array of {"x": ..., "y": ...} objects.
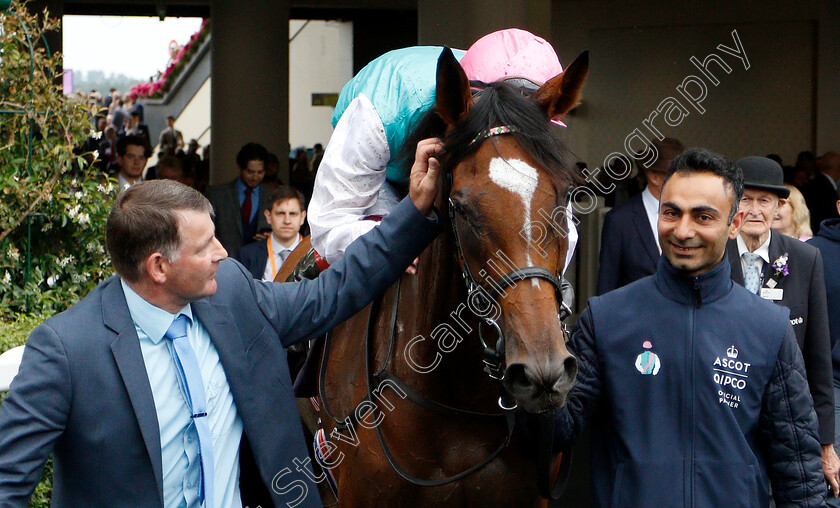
[
  {"x": 186, "y": 364},
  {"x": 752, "y": 278}
]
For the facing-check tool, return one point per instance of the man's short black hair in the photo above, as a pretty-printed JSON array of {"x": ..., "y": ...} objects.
[
  {"x": 171, "y": 161},
  {"x": 700, "y": 160},
  {"x": 123, "y": 142},
  {"x": 251, "y": 152}
]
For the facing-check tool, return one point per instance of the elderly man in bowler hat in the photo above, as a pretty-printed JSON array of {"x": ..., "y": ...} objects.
[{"x": 790, "y": 273}]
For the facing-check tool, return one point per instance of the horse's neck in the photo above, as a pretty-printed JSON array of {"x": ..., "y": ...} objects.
[{"x": 432, "y": 319}]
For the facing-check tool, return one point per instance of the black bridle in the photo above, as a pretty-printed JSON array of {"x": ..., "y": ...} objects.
[{"x": 494, "y": 354}]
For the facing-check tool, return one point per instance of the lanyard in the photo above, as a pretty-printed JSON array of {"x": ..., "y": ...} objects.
[
  {"x": 271, "y": 254},
  {"x": 271, "y": 257}
]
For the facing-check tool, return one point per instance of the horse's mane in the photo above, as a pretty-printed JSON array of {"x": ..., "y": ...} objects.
[{"x": 498, "y": 104}]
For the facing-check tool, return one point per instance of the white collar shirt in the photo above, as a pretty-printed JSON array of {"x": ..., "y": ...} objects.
[
  {"x": 652, "y": 210},
  {"x": 763, "y": 252},
  {"x": 277, "y": 248}
]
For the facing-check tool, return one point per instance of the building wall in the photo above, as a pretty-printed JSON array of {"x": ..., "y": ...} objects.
[
  {"x": 786, "y": 100},
  {"x": 320, "y": 61},
  {"x": 640, "y": 52},
  {"x": 250, "y": 86}
]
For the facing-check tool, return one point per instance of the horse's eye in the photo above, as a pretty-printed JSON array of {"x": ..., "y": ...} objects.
[{"x": 457, "y": 208}]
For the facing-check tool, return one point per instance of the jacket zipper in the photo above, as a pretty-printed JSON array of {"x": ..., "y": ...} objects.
[
  {"x": 698, "y": 296},
  {"x": 698, "y": 301}
]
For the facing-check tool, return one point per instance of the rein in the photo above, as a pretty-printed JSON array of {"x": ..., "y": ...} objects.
[
  {"x": 412, "y": 394},
  {"x": 381, "y": 375}
]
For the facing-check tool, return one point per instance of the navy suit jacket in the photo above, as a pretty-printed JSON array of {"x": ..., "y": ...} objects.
[
  {"x": 228, "y": 220},
  {"x": 628, "y": 248},
  {"x": 83, "y": 393},
  {"x": 254, "y": 256},
  {"x": 821, "y": 199},
  {"x": 803, "y": 292}
]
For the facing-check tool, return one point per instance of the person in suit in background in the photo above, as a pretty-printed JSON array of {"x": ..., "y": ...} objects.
[
  {"x": 820, "y": 191},
  {"x": 169, "y": 379},
  {"x": 137, "y": 128},
  {"x": 170, "y": 138},
  {"x": 629, "y": 239},
  {"x": 132, "y": 154},
  {"x": 828, "y": 242},
  {"x": 285, "y": 217},
  {"x": 240, "y": 203},
  {"x": 172, "y": 168},
  {"x": 790, "y": 273}
]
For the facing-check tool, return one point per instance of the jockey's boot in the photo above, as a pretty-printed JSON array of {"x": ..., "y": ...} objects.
[{"x": 307, "y": 268}]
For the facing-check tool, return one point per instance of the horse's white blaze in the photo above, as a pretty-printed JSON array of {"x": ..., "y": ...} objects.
[{"x": 520, "y": 178}]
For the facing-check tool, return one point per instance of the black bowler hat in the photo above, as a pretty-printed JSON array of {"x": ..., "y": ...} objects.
[{"x": 763, "y": 174}]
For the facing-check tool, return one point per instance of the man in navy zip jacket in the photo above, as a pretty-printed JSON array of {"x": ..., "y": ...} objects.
[
  {"x": 696, "y": 387},
  {"x": 828, "y": 241}
]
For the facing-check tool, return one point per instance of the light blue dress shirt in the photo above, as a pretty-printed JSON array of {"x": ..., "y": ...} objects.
[
  {"x": 178, "y": 438},
  {"x": 255, "y": 196}
]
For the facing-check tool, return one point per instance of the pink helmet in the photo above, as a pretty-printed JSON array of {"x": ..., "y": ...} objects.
[{"x": 511, "y": 53}]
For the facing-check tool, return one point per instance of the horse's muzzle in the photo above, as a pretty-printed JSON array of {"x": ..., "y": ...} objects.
[{"x": 539, "y": 388}]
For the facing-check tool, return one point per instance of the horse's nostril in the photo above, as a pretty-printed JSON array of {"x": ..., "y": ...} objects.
[
  {"x": 517, "y": 377},
  {"x": 570, "y": 367}
]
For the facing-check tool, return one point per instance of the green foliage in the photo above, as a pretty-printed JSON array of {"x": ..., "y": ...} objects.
[
  {"x": 53, "y": 205},
  {"x": 49, "y": 193},
  {"x": 13, "y": 332},
  {"x": 43, "y": 491}
]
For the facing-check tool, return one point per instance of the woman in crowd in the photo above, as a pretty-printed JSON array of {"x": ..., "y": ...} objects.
[{"x": 792, "y": 217}]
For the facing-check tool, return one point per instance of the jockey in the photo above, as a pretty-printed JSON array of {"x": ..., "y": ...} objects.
[{"x": 360, "y": 175}]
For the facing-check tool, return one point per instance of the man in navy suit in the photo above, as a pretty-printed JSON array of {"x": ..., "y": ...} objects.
[
  {"x": 119, "y": 387},
  {"x": 828, "y": 242},
  {"x": 629, "y": 239},
  {"x": 787, "y": 272},
  {"x": 285, "y": 216},
  {"x": 240, "y": 203},
  {"x": 819, "y": 193}
]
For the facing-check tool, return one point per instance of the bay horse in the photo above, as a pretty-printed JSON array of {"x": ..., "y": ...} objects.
[{"x": 412, "y": 417}]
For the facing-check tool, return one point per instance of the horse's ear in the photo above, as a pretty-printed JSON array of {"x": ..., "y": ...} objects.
[
  {"x": 452, "y": 97},
  {"x": 562, "y": 92}
]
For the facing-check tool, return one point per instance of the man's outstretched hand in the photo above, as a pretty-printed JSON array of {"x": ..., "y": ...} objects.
[{"x": 425, "y": 173}]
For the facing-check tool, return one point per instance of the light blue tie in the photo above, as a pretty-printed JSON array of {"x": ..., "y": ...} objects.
[
  {"x": 284, "y": 255},
  {"x": 751, "y": 276},
  {"x": 186, "y": 364}
]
